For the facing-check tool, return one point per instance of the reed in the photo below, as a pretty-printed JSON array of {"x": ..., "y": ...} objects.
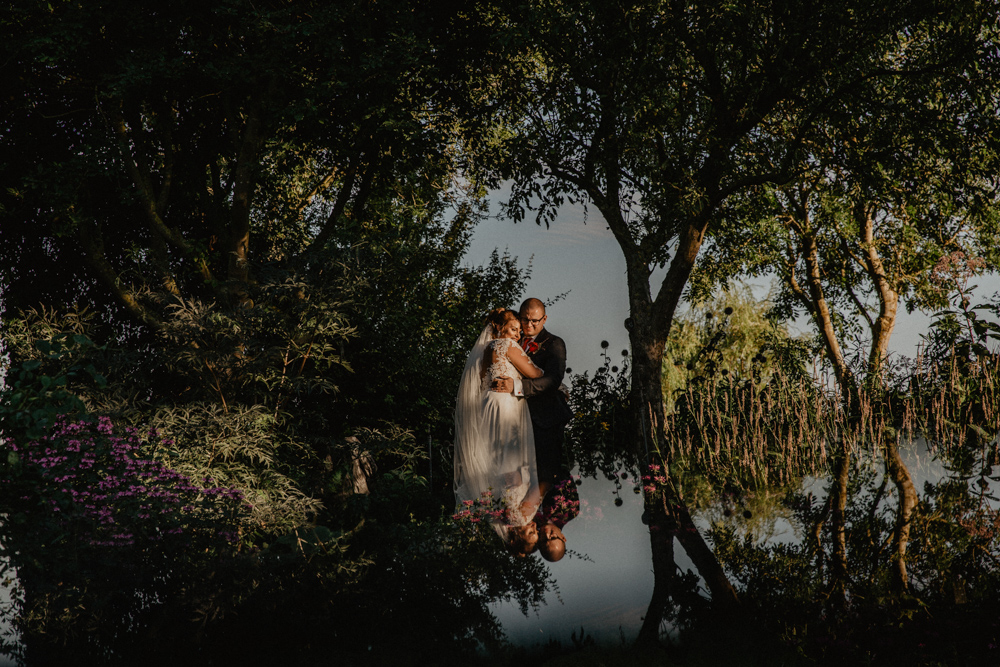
[{"x": 761, "y": 434}]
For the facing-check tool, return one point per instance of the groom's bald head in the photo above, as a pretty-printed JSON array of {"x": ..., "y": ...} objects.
[
  {"x": 532, "y": 317},
  {"x": 533, "y": 303}
]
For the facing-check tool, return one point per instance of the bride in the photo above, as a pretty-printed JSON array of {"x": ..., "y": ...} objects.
[{"x": 494, "y": 445}]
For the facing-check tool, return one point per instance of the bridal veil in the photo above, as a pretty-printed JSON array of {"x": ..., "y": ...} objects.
[{"x": 473, "y": 461}]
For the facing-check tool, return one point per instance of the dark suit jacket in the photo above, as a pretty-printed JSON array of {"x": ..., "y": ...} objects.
[{"x": 545, "y": 402}]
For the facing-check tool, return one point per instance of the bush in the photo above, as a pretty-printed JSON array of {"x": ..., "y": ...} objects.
[{"x": 104, "y": 538}]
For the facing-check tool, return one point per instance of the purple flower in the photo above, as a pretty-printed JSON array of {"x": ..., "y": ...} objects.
[{"x": 97, "y": 480}]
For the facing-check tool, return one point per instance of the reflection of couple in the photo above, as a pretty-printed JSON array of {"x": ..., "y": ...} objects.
[{"x": 509, "y": 422}]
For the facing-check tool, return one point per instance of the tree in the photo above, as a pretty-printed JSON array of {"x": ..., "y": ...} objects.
[
  {"x": 898, "y": 180},
  {"x": 226, "y": 198},
  {"x": 894, "y": 183},
  {"x": 658, "y": 114},
  {"x": 153, "y": 150}
]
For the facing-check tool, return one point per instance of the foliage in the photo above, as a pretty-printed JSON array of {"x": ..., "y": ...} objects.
[
  {"x": 732, "y": 336},
  {"x": 952, "y": 560},
  {"x": 746, "y": 433},
  {"x": 597, "y": 438},
  {"x": 35, "y": 395},
  {"x": 965, "y": 329},
  {"x": 202, "y": 389},
  {"x": 417, "y": 311},
  {"x": 166, "y": 149},
  {"x": 104, "y": 540},
  {"x": 955, "y": 385}
]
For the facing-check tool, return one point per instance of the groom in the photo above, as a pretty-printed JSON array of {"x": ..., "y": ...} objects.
[{"x": 546, "y": 404}]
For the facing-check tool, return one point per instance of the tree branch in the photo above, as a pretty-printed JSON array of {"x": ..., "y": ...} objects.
[
  {"x": 93, "y": 246},
  {"x": 158, "y": 227},
  {"x": 339, "y": 206}
]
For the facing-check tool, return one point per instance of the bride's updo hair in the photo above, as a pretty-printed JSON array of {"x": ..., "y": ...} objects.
[
  {"x": 498, "y": 319},
  {"x": 519, "y": 543}
]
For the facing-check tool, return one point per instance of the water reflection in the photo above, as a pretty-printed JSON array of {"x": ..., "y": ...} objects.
[
  {"x": 899, "y": 576},
  {"x": 762, "y": 516},
  {"x": 605, "y": 582},
  {"x": 8, "y": 637}
]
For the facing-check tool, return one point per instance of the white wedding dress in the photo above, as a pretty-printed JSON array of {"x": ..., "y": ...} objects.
[{"x": 494, "y": 444}]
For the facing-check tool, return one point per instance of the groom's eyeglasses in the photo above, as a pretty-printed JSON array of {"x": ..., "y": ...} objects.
[{"x": 528, "y": 320}]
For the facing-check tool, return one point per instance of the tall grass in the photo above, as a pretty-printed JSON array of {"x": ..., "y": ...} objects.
[{"x": 736, "y": 430}]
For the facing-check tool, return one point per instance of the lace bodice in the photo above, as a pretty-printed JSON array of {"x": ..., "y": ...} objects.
[{"x": 503, "y": 367}]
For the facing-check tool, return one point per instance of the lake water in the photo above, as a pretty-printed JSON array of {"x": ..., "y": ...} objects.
[
  {"x": 5, "y": 629},
  {"x": 607, "y": 593}
]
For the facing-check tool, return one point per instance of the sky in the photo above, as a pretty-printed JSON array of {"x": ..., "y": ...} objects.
[{"x": 577, "y": 255}]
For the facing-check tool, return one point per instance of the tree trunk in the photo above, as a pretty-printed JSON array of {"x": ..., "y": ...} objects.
[
  {"x": 904, "y": 512},
  {"x": 820, "y": 310},
  {"x": 673, "y": 517},
  {"x": 661, "y": 541},
  {"x": 649, "y": 325},
  {"x": 838, "y": 520},
  {"x": 723, "y": 594},
  {"x": 888, "y": 298},
  {"x": 237, "y": 243}
]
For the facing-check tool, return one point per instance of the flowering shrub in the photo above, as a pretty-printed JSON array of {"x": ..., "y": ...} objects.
[
  {"x": 93, "y": 485},
  {"x": 104, "y": 538},
  {"x": 484, "y": 508},
  {"x": 562, "y": 503},
  {"x": 655, "y": 479}
]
